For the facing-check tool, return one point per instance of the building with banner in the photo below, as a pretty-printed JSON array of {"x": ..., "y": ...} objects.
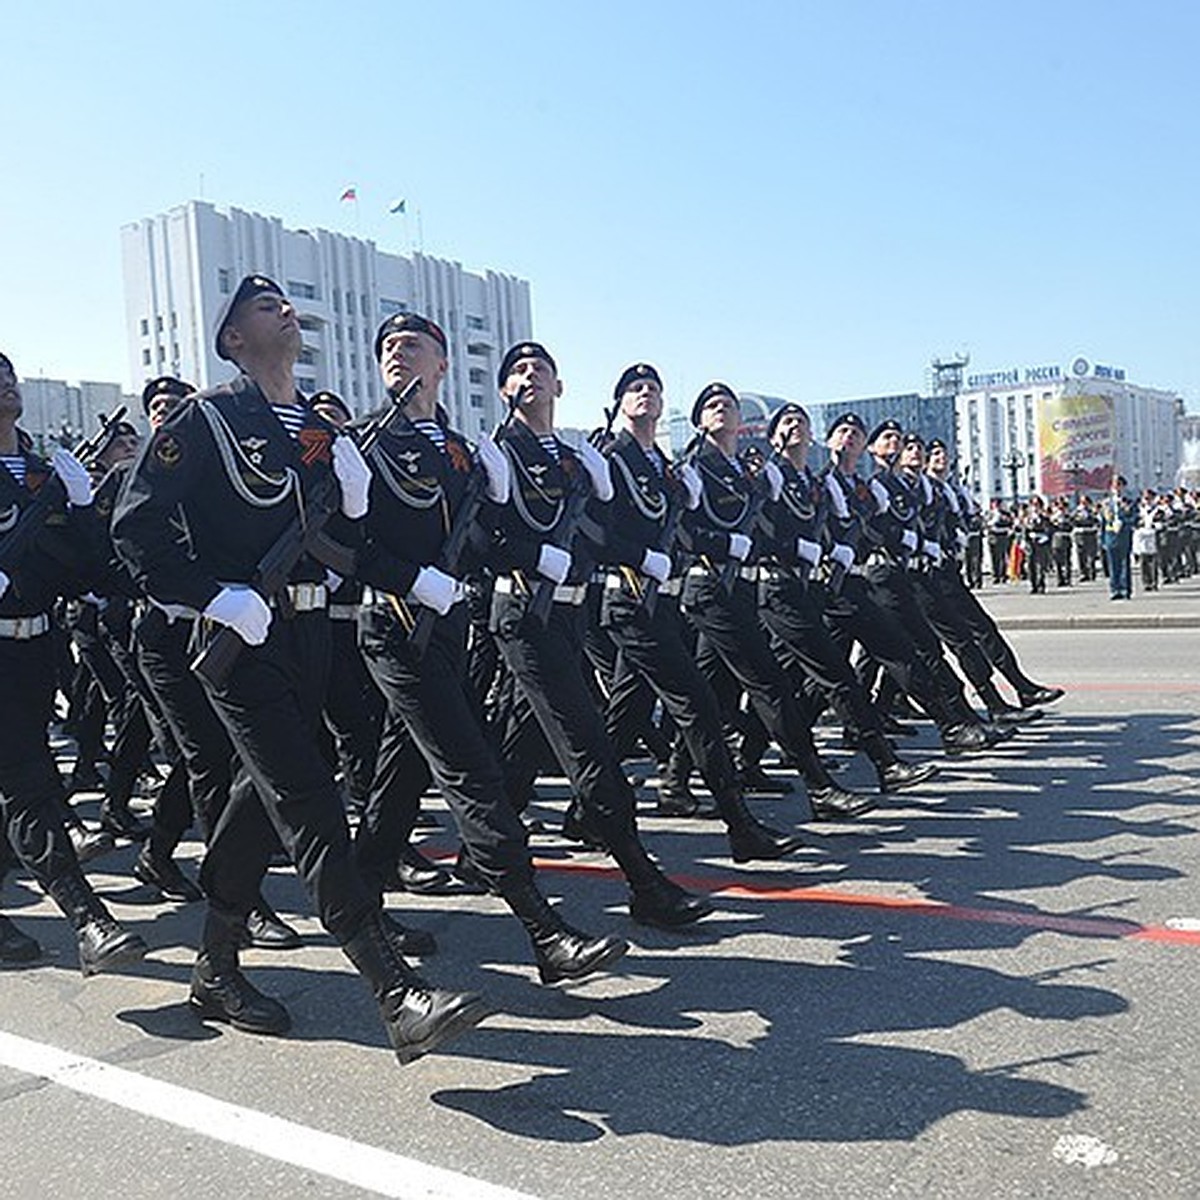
[{"x": 1060, "y": 431}]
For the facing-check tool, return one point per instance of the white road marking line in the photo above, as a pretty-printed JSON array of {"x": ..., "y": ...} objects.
[{"x": 261, "y": 1133}]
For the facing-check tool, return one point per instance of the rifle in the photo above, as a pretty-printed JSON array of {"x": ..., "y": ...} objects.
[
  {"x": 50, "y": 496},
  {"x": 666, "y": 538},
  {"x": 218, "y": 657},
  {"x": 762, "y": 490},
  {"x": 460, "y": 532}
]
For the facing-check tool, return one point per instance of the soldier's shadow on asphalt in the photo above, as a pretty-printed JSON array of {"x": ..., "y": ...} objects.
[{"x": 731, "y": 1049}]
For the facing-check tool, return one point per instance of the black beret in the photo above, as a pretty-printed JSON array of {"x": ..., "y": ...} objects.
[
  {"x": 332, "y": 400},
  {"x": 936, "y": 444},
  {"x": 5, "y": 361},
  {"x": 411, "y": 323},
  {"x": 913, "y": 438},
  {"x": 782, "y": 411},
  {"x": 888, "y": 426},
  {"x": 707, "y": 393},
  {"x": 523, "y": 350},
  {"x": 847, "y": 418},
  {"x": 631, "y": 375},
  {"x": 251, "y": 286},
  {"x": 164, "y": 385}
]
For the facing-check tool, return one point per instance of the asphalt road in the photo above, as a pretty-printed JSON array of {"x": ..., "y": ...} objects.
[{"x": 989, "y": 988}]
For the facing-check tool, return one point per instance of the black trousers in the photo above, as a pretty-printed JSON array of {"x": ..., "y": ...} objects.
[
  {"x": 31, "y": 791},
  {"x": 792, "y": 615},
  {"x": 652, "y": 653},
  {"x": 853, "y": 615},
  {"x": 353, "y": 709},
  {"x": 999, "y": 545},
  {"x": 945, "y": 615},
  {"x": 164, "y": 656},
  {"x": 270, "y": 707},
  {"x": 431, "y": 712},
  {"x": 730, "y": 636},
  {"x": 545, "y": 663}
]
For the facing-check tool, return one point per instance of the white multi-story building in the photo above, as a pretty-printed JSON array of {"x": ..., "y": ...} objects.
[
  {"x": 57, "y": 412},
  {"x": 181, "y": 265},
  {"x": 1059, "y": 431}
]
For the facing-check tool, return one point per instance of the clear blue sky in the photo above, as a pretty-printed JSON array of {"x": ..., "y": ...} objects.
[{"x": 808, "y": 200}]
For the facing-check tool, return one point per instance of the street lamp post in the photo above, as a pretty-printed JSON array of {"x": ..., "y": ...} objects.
[{"x": 1012, "y": 463}]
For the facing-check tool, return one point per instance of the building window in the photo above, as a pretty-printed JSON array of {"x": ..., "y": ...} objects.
[
  {"x": 477, "y": 375},
  {"x": 307, "y": 355},
  {"x": 362, "y": 304},
  {"x": 145, "y": 356},
  {"x": 305, "y": 384},
  {"x": 349, "y": 304},
  {"x": 304, "y": 291},
  {"x": 223, "y": 281},
  {"x": 389, "y": 308},
  {"x": 310, "y": 324},
  {"x": 174, "y": 351},
  {"x": 174, "y": 320},
  {"x": 337, "y": 301},
  {"x": 145, "y": 327},
  {"x": 476, "y": 322},
  {"x": 158, "y": 324},
  {"x": 476, "y": 400}
]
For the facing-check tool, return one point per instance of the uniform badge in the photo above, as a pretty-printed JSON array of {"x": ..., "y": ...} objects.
[
  {"x": 411, "y": 460},
  {"x": 35, "y": 479},
  {"x": 253, "y": 448},
  {"x": 315, "y": 446},
  {"x": 168, "y": 451},
  {"x": 537, "y": 470},
  {"x": 460, "y": 460},
  {"x": 104, "y": 507}
]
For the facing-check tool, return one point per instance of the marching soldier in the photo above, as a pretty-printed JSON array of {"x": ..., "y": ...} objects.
[
  {"x": 640, "y": 564},
  {"x": 542, "y": 566},
  {"x": 422, "y": 475},
  {"x": 216, "y": 488},
  {"x": 55, "y": 501}
]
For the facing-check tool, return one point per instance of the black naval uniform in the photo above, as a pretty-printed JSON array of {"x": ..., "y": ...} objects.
[
  {"x": 793, "y": 531},
  {"x": 211, "y": 492},
  {"x": 60, "y": 560},
  {"x": 651, "y": 645},
  {"x": 544, "y": 661},
  {"x": 418, "y": 486},
  {"x": 727, "y": 620}
]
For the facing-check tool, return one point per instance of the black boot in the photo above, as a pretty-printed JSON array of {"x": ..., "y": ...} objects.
[
  {"x": 576, "y": 827},
  {"x": 117, "y": 819},
  {"x": 896, "y": 776},
  {"x": 561, "y": 952},
  {"x": 415, "y": 873},
  {"x": 161, "y": 872},
  {"x": 1031, "y": 693},
  {"x": 103, "y": 944},
  {"x": 418, "y": 1018},
  {"x": 664, "y": 904},
  {"x": 833, "y": 803},
  {"x": 265, "y": 929},
  {"x": 749, "y": 838},
  {"x": 965, "y": 738},
  {"x": 89, "y": 843},
  {"x": 15, "y": 946},
  {"x": 220, "y": 992}
]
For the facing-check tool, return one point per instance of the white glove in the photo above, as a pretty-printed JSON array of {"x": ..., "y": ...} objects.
[
  {"x": 962, "y": 538},
  {"x": 435, "y": 589},
  {"x": 836, "y": 497},
  {"x": 4, "y": 582},
  {"x": 244, "y": 611},
  {"x": 740, "y": 546},
  {"x": 810, "y": 552},
  {"x": 494, "y": 462},
  {"x": 554, "y": 563},
  {"x": 774, "y": 478},
  {"x": 690, "y": 478},
  {"x": 353, "y": 476},
  {"x": 97, "y": 602},
  {"x": 933, "y": 551},
  {"x": 657, "y": 565},
  {"x": 843, "y": 555},
  {"x": 74, "y": 476},
  {"x": 596, "y": 466},
  {"x": 909, "y": 540}
]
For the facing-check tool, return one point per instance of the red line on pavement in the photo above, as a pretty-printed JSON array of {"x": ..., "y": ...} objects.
[{"x": 1108, "y": 927}]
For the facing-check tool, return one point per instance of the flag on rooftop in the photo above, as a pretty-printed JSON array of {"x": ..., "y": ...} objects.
[
  {"x": 351, "y": 193},
  {"x": 396, "y": 206}
]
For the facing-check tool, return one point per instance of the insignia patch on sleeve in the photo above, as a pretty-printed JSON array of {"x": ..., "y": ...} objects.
[
  {"x": 168, "y": 450},
  {"x": 315, "y": 446}
]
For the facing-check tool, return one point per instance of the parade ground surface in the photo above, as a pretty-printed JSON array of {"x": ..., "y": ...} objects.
[{"x": 989, "y": 987}]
